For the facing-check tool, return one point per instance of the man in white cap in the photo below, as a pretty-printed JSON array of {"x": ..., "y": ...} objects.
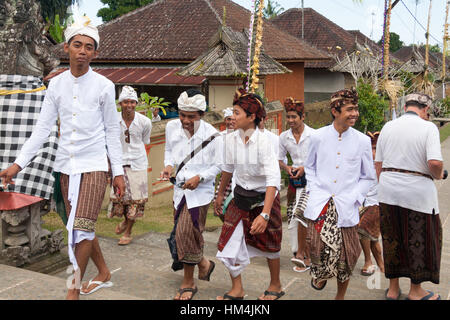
[
  {"x": 408, "y": 159},
  {"x": 230, "y": 121},
  {"x": 194, "y": 184},
  {"x": 84, "y": 102},
  {"x": 135, "y": 134}
]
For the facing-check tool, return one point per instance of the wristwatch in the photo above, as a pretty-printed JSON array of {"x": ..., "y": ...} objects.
[
  {"x": 201, "y": 179},
  {"x": 265, "y": 216}
]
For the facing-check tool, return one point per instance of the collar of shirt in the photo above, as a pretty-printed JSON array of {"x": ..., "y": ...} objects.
[
  {"x": 305, "y": 134},
  {"x": 82, "y": 78},
  {"x": 335, "y": 133}
]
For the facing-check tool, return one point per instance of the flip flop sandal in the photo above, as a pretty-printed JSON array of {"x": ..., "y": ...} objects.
[
  {"x": 389, "y": 298},
  {"x": 181, "y": 291},
  {"x": 100, "y": 284},
  {"x": 226, "y": 296},
  {"x": 212, "y": 265},
  {"x": 298, "y": 262},
  {"x": 278, "y": 295},
  {"x": 427, "y": 297},
  {"x": 296, "y": 269},
  {"x": 369, "y": 271},
  {"x": 316, "y": 287},
  {"x": 121, "y": 228},
  {"x": 123, "y": 241}
]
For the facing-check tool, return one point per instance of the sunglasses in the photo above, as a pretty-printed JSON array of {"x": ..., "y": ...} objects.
[{"x": 127, "y": 136}]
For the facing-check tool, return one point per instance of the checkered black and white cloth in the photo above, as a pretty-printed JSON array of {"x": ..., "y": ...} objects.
[{"x": 18, "y": 115}]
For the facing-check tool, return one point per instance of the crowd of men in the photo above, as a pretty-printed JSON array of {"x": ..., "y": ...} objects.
[{"x": 345, "y": 187}]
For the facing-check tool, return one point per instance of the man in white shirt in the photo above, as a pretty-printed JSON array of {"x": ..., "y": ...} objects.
[
  {"x": 229, "y": 120},
  {"x": 295, "y": 141},
  {"x": 339, "y": 170},
  {"x": 250, "y": 229},
  {"x": 84, "y": 102},
  {"x": 194, "y": 185},
  {"x": 408, "y": 158},
  {"x": 135, "y": 134}
]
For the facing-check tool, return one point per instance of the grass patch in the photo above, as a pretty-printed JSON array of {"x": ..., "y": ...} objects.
[{"x": 444, "y": 132}]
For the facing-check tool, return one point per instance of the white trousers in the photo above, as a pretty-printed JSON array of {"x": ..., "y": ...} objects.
[
  {"x": 236, "y": 254},
  {"x": 75, "y": 236}
]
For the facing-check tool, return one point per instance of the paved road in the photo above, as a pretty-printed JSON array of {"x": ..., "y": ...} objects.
[{"x": 142, "y": 271}]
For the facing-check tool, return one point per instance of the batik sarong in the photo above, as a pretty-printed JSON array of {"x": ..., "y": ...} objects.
[
  {"x": 188, "y": 236},
  {"x": 412, "y": 244},
  {"x": 334, "y": 251},
  {"x": 369, "y": 223},
  {"x": 133, "y": 201}
]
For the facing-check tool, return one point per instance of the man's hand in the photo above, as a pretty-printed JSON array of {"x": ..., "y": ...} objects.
[
  {"x": 166, "y": 173},
  {"x": 298, "y": 172},
  {"x": 119, "y": 186},
  {"x": 192, "y": 183},
  {"x": 218, "y": 204},
  {"x": 7, "y": 175},
  {"x": 259, "y": 225}
]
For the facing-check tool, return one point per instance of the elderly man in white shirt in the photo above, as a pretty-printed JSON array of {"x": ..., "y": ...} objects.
[
  {"x": 295, "y": 141},
  {"x": 339, "y": 170},
  {"x": 408, "y": 158},
  {"x": 194, "y": 184},
  {"x": 135, "y": 134},
  {"x": 253, "y": 223},
  {"x": 84, "y": 102}
]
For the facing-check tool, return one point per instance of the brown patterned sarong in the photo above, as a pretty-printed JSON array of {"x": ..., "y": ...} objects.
[
  {"x": 269, "y": 241},
  {"x": 188, "y": 234},
  {"x": 90, "y": 199},
  {"x": 369, "y": 223},
  {"x": 334, "y": 251},
  {"x": 412, "y": 244},
  {"x": 133, "y": 201}
]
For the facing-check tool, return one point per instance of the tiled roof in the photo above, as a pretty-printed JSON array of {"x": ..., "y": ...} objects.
[
  {"x": 434, "y": 61},
  {"x": 179, "y": 31},
  {"x": 321, "y": 33}
]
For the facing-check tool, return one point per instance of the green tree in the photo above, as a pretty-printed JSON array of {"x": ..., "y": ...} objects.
[
  {"x": 116, "y": 8},
  {"x": 371, "y": 108},
  {"x": 395, "y": 42},
  {"x": 272, "y": 9},
  {"x": 51, "y": 8}
]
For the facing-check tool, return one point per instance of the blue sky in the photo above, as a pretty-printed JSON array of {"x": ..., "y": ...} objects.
[{"x": 366, "y": 17}]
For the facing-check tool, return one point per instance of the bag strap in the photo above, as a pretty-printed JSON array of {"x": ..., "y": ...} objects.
[{"x": 196, "y": 151}]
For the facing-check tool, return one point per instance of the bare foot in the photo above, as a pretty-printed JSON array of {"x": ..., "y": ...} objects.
[
  {"x": 272, "y": 293},
  {"x": 184, "y": 294},
  {"x": 232, "y": 293}
]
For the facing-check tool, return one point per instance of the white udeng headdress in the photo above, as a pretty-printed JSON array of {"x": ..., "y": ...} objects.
[
  {"x": 82, "y": 27},
  {"x": 128, "y": 93},
  {"x": 195, "y": 103},
  {"x": 228, "y": 112}
]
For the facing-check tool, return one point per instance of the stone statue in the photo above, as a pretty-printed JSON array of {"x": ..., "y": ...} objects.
[{"x": 24, "y": 49}]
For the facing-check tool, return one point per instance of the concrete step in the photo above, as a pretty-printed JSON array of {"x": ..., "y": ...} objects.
[{"x": 21, "y": 284}]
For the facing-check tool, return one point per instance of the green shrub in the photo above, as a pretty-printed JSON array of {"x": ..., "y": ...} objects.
[{"x": 372, "y": 108}]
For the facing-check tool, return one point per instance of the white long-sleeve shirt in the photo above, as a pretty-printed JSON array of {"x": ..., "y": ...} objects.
[
  {"x": 254, "y": 164},
  {"x": 340, "y": 168},
  {"x": 89, "y": 125},
  {"x": 134, "y": 153},
  {"x": 178, "y": 147}
]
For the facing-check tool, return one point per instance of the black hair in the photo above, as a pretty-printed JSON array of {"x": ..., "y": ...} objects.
[{"x": 338, "y": 109}]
